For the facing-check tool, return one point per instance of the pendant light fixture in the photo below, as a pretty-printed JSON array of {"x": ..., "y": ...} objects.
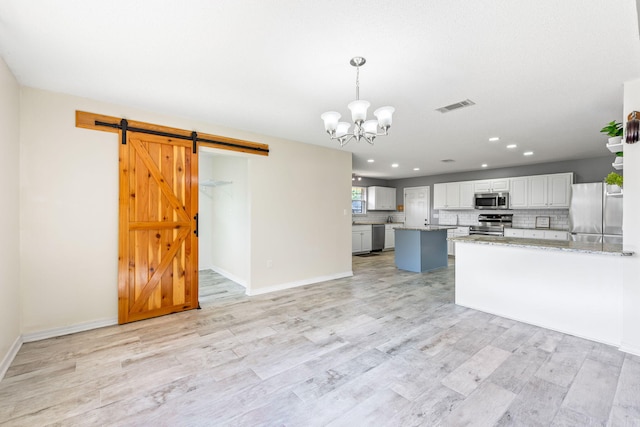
[{"x": 362, "y": 128}]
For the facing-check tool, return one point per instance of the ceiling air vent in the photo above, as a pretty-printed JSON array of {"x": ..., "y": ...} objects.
[
  {"x": 447, "y": 161},
  {"x": 461, "y": 104}
]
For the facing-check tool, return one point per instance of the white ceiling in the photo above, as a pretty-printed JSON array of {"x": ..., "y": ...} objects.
[{"x": 545, "y": 74}]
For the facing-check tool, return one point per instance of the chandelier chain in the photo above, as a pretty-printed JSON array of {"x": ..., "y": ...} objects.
[{"x": 357, "y": 83}]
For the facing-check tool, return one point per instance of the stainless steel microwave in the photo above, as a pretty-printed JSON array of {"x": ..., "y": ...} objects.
[{"x": 491, "y": 201}]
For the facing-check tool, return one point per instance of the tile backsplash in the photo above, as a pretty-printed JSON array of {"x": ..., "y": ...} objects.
[
  {"x": 522, "y": 218},
  {"x": 379, "y": 216}
]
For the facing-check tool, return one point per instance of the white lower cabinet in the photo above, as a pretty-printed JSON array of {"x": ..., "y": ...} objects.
[
  {"x": 513, "y": 232},
  {"x": 531, "y": 233},
  {"x": 455, "y": 232},
  {"x": 556, "y": 235},
  {"x": 360, "y": 238},
  {"x": 390, "y": 235}
]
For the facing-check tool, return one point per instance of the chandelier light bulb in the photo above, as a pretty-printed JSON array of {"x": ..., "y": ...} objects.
[
  {"x": 330, "y": 121},
  {"x": 359, "y": 110},
  {"x": 384, "y": 116},
  {"x": 370, "y": 127},
  {"x": 362, "y": 128},
  {"x": 343, "y": 129}
]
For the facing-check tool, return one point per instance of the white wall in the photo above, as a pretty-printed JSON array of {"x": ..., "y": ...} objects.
[
  {"x": 631, "y": 228},
  {"x": 70, "y": 200},
  {"x": 9, "y": 217},
  {"x": 296, "y": 212},
  {"x": 69, "y": 215}
]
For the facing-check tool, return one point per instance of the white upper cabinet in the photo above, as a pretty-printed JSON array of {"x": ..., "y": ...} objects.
[
  {"x": 466, "y": 195},
  {"x": 491, "y": 185},
  {"x": 381, "y": 199},
  {"x": 525, "y": 192},
  {"x": 537, "y": 190},
  {"x": 559, "y": 190},
  {"x": 439, "y": 196},
  {"x": 518, "y": 194},
  {"x": 453, "y": 195},
  {"x": 550, "y": 191}
]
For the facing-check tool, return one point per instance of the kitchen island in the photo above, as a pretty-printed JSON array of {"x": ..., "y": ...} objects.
[
  {"x": 570, "y": 287},
  {"x": 421, "y": 249}
]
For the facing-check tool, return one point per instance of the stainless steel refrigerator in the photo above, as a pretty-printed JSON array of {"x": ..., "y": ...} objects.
[{"x": 595, "y": 216}]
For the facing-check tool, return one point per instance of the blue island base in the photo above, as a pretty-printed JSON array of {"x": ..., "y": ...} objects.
[{"x": 421, "y": 250}]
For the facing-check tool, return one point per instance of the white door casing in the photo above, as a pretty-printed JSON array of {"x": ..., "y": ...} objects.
[{"x": 417, "y": 206}]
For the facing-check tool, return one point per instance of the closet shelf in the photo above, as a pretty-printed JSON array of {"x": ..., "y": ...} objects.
[{"x": 214, "y": 183}]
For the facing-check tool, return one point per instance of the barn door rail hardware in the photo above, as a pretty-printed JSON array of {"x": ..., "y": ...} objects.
[
  {"x": 113, "y": 124},
  {"x": 124, "y": 127}
]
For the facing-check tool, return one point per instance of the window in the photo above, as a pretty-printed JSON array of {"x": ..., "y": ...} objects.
[{"x": 358, "y": 200}]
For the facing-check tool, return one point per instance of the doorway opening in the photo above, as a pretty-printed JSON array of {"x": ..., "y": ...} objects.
[{"x": 224, "y": 224}]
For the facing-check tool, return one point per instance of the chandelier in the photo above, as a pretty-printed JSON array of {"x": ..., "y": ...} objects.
[{"x": 362, "y": 128}]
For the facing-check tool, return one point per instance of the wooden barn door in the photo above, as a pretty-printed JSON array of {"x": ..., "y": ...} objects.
[{"x": 158, "y": 245}]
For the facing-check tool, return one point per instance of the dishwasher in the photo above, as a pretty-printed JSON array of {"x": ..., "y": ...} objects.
[{"x": 377, "y": 237}]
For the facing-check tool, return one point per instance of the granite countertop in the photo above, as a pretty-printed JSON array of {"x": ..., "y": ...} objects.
[
  {"x": 555, "y": 245},
  {"x": 428, "y": 228}
]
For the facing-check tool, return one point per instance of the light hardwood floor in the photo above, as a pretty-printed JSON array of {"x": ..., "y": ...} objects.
[{"x": 384, "y": 348}]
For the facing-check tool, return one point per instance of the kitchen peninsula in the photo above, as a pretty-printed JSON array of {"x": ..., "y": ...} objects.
[
  {"x": 570, "y": 287},
  {"x": 421, "y": 249}
]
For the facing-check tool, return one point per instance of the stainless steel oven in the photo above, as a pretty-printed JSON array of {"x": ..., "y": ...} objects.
[
  {"x": 492, "y": 224},
  {"x": 491, "y": 201}
]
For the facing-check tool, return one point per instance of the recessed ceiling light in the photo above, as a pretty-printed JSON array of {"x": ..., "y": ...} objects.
[
  {"x": 511, "y": 146},
  {"x": 494, "y": 139},
  {"x": 484, "y": 165},
  {"x": 416, "y": 169},
  {"x": 395, "y": 165},
  {"x": 370, "y": 160},
  {"x": 528, "y": 153}
]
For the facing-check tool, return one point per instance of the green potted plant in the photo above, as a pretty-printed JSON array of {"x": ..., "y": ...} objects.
[
  {"x": 614, "y": 182},
  {"x": 614, "y": 131}
]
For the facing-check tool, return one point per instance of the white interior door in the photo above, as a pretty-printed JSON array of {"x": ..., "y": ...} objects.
[{"x": 417, "y": 206}]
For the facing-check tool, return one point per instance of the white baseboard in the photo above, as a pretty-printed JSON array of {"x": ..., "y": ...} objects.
[
  {"x": 11, "y": 354},
  {"x": 295, "y": 284},
  {"x": 66, "y": 330},
  {"x": 230, "y": 276},
  {"x": 629, "y": 349}
]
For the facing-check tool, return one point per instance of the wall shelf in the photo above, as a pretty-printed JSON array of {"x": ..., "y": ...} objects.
[{"x": 615, "y": 148}]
